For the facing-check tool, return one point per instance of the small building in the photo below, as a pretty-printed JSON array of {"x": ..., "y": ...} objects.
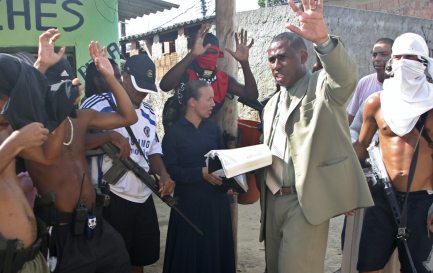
[{"x": 166, "y": 45}]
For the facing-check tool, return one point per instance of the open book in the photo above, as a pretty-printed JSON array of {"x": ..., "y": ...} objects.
[{"x": 236, "y": 162}]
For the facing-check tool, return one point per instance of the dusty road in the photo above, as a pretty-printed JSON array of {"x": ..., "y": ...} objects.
[{"x": 250, "y": 251}]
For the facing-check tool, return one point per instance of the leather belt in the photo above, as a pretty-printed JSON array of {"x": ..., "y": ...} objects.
[{"x": 286, "y": 191}]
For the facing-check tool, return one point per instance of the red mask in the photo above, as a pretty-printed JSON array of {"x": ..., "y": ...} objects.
[{"x": 208, "y": 61}]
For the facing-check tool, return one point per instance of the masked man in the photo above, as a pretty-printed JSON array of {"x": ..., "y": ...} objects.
[
  {"x": 201, "y": 64},
  {"x": 400, "y": 113}
]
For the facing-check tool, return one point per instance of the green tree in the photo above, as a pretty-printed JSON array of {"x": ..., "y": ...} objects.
[{"x": 272, "y": 3}]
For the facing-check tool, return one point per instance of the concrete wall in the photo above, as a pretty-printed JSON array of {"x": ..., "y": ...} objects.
[
  {"x": 414, "y": 8},
  {"x": 357, "y": 28}
]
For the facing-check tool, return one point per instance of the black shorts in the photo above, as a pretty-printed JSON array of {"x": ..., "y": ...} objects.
[
  {"x": 104, "y": 252},
  {"x": 379, "y": 233},
  {"x": 138, "y": 225}
]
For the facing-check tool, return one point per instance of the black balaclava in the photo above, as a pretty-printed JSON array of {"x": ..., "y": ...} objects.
[{"x": 31, "y": 99}]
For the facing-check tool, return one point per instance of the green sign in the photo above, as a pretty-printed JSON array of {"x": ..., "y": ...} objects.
[{"x": 79, "y": 21}]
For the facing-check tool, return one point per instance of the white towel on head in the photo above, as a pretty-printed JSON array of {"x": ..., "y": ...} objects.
[
  {"x": 408, "y": 94},
  {"x": 412, "y": 44}
]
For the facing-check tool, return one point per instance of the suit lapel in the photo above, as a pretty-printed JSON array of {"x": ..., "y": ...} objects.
[
  {"x": 294, "y": 102},
  {"x": 299, "y": 95},
  {"x": 268, "y": 125}
]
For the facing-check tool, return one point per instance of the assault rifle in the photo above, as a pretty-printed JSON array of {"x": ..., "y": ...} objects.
[
  {"x": 120, "y": 166},
  {"x": 381, "y": 176}
]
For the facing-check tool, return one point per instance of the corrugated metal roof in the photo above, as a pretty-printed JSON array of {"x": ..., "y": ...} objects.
[
  {"x": 129, "y": 9},
  {"x": 162, "y": 30}
]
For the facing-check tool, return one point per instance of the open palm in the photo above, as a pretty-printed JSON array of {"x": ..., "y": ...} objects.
[
  {"x": 242, "y": 48},
  {"x": 312, "y": 25},
  {"x": 46, "y": 52},
  {"x": 198, "y": 49},
  {"x": 99, "y": 57}
]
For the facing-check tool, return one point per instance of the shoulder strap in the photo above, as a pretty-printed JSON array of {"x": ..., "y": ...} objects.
[
  {"x": 410, "y": 175},
  {"x": 129, "y": 130},
  {"x": 420, "y": 124},
  {"x": 421, "y": 121}
]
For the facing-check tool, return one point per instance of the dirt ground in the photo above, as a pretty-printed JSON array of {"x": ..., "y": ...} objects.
[{"x": 251, "y": 254}]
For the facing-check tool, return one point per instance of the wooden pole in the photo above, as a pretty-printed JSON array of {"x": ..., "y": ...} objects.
[
  {"x": 227, "y": 117},
  {"x": 225, "y": 15}
]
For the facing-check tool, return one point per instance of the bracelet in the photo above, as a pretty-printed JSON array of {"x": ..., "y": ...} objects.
[{"x": 324, "y": 44}]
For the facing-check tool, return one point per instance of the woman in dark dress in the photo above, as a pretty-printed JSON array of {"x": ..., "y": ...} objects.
[{"x": 200, "y": 195}]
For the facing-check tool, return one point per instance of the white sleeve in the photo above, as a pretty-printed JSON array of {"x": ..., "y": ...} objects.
[{"x": 155, "y": 146}]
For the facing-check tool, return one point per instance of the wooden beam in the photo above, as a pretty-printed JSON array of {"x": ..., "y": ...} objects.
[
  {"x": 225, "y": 16},
  {"x": 227, "y": 117}
]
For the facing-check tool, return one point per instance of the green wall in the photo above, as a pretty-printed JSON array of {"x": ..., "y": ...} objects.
[{"x": 79, "y": 21}]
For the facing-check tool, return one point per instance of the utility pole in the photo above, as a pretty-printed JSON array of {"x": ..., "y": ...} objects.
[
  {"x": 203, "y": 8},
  {"x": 227, "y": 118}
]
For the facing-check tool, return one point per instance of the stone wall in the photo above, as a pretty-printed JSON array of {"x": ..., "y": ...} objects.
[{"x": 414, "y": 8}]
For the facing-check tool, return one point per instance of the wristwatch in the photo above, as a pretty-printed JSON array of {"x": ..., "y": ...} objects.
[{"x": 324, "y": 44}]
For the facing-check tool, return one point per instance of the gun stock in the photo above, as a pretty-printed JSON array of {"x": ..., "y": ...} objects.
[{"x": 114, "y": 173}]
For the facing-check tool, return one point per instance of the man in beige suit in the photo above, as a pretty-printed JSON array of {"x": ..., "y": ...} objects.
[{"x": 315, "y": 174}]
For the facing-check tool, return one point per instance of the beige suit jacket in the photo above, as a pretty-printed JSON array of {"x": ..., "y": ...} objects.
[{"x": 329, "y": 178}]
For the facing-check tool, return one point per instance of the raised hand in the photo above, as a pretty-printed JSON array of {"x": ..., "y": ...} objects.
[
  {"x": 242, "y": 52},
  {"x": 47, "y": 57},
  {"x": 99, "y": 57},
  {"x": 198, "y": 49},
  {"x": 312, "y": 25}
]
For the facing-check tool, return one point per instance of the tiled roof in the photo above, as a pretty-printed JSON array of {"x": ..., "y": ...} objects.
[
  {"x": 162, "y": 30},
  {"x": 129, "y": 9}
]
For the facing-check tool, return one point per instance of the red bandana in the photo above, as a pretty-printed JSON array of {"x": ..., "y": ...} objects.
[
  {"x": 219, "y": 85},
  {"x": 208, "y": 61}
]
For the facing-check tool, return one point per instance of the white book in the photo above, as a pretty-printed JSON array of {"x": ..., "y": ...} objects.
[{"x": 240, "y": 160}]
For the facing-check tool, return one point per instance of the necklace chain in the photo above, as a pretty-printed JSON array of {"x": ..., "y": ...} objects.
[
  {"x": 209, "y": 80},
  {"x": 72, "y": 133}
]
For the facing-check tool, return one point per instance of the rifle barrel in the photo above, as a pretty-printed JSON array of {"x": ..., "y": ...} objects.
[
  {"x": 111, "y": 150},
  {"x": 187, "y": 220}
]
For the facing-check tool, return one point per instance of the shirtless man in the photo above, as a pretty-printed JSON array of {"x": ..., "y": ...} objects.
[
  {"x": 80, "y": 239},
  {"x": 20, "y": 236},
  {"x": 407, "y": 99},
  {"x": 17, "y": 221}
]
